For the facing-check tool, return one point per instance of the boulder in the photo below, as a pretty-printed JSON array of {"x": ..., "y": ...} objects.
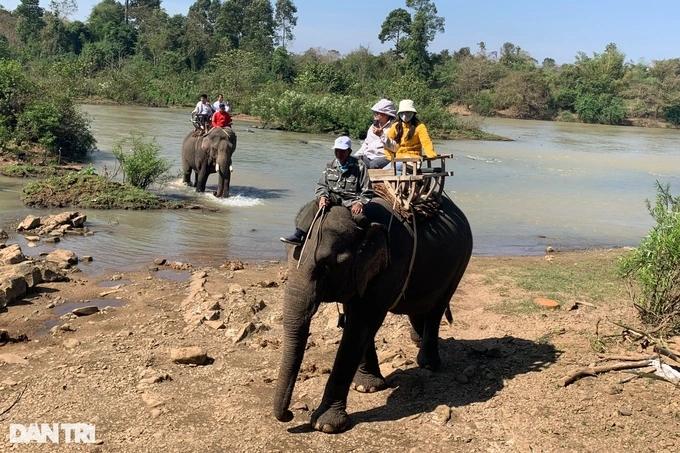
[
  {"x": 12, "y": 288},
  {"x": 29, "y": 223},
  {"x": 29, "y": 271},
  {"x": 62, "y": 258},
  {"x": 78, "y": 221},
  {"x": 85, "y": 311},
  {"x": 189, "y": 356},
  {"x": 51, "y": 273},
  {"x": 11, "y": 255},
  {"x": 3, "y": 234}
]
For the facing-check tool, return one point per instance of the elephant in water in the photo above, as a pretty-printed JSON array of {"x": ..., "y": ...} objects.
[
  {"x": 365, "y": 269},
  {"x": 209, "y": 154}
]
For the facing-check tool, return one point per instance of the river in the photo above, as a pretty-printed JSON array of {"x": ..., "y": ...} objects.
[{"x": 570, "y": 186}]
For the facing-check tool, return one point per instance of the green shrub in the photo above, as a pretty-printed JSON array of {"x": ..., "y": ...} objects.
[
  {"x": 672, "y": 114},
  {"x": 142, "y": 164},
  {"x": 483, "y": 102},
  {"x": 601, "y": 108},
  {"x": 654, "y": 267}
]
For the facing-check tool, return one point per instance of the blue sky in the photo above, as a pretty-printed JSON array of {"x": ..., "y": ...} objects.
[{"x": 644, "y": 30}]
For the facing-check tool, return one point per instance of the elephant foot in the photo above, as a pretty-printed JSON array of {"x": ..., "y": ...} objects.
[
  {"x": 415, "y": 337},
  {"x": 368, "y": 383},
  {"x": 428, "y": 361},
  {"x": 330, "y": 420}
]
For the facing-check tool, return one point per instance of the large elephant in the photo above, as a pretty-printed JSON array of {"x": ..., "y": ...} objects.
[
  {"x": 365, "y": 269},
  {"x": 209, "y": 154}
]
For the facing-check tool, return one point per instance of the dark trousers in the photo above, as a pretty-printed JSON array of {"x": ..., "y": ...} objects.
[
  {"x": 305, "y": 216},
  {"x": 379, "y": 162}
]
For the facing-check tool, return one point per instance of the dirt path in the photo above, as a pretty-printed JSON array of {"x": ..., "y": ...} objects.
[{"x": 503, "y": 359}]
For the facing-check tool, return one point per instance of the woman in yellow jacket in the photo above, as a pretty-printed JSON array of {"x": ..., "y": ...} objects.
[{"x": 408, "y": 137}]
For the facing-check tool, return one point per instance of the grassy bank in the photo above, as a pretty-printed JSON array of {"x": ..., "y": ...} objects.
[{"x": 87, "y": 190}]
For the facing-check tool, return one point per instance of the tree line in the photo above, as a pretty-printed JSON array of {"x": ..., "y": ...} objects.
[{"x": 134, "y": 52}]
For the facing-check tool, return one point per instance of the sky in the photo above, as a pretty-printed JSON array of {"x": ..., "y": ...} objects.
[{"x": 643, "y": 30}]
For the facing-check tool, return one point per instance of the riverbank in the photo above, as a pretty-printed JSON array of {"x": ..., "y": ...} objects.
[{"x": 503, "y": 358}]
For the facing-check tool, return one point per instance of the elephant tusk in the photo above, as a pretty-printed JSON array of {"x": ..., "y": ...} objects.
[
  {"x": 217, "y": 167},
  {"x": 231, "y": 168}
]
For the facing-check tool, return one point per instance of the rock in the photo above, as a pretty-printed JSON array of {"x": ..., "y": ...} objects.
[
  {"x": 85, "y": 311},
  {"x": 615, "y": 389},
  {"x": 32, "y": 238},
  {"x": 153, "y": 268},
  {"x": 3, "y": 234},
  {"x": 29, "y": 271},
  {"x": 569, "y": 306},
  {"x": 50, "y": 273},
  {"x": 441, "y": 414},
  {"x": 216, "y": 324},
  {"x": 151, "y": 400},
  {"x": 62, "y": 258},
  {"x": 52, "y": 240},
  {"x": 235, "y": 288},
  {"x": 14, "y": 359},
  {"x": 154, "y": 377},
  {"x": 625, "y": 411},
  {"x": 79, "y": 221},
  {"x": 29, "y": 223},
  {"x": 11, "y": 255},
  {"x": 300, "y": 406},
  {"x": 189, "y": 356},
  {"x": 12, "y": 288},
  {"x": 56, "y": 234},
  {"x": 159, "y": 261},
  {"x": 549, "y": 249},
  {"x": 548, "y": 304},
  {"x": 155, "y": 412},
  {"x": 86, "y": 258},
  {"x": 116, "y": 277},
  {"x": 258, "y": 307},
  {"x": 243, "y": 333},
  {"x": 267, "y": 284},
  {"x": 235, "y": 265},
  {"x": 71, "y": 343},
  {"x": 211, "y": 315}
]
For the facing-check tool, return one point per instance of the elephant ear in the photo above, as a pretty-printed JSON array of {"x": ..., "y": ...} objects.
[{"x": 371, "y": 257}]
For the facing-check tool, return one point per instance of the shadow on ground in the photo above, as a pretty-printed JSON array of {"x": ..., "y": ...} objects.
[{"x": 485, "y": 363}]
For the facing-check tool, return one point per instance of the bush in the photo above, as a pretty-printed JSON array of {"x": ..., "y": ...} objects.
[
  {"x": 601, "y": 108},
  {"x": 482, "y": 103},
  {"x": 57, "y": 126},
  {"x": 142, "y": 165},
  {"x": 655, "y": 265},
  {"x": 672, "y": 114}
]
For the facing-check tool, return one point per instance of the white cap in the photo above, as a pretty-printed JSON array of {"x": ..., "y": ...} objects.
[
  {"x": 406, "y": 105},
  {"x": 343, "y": 142},
  {"x": 385, "y": 106}
]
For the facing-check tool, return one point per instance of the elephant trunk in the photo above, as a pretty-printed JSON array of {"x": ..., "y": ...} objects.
[
  {"x": 224, "y": 177},
  {"x": 299, "y": 306}
]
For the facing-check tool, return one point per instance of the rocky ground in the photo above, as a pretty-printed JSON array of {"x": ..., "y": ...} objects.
[{"x": 177, "y": 358}]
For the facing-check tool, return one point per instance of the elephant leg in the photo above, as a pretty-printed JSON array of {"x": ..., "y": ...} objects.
[
  {"x": 428, "y": 355},
  {"x": 187, "y": 177},
  {"x": 202, "y": 178},
  {"x": 360, "y": 329},
  {"x": 368, "y": 378},
  {"x": 417, "y": 325}
]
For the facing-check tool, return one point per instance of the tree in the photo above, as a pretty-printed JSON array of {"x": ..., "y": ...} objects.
[
  {"x": 29, "y": 20},
  {"x": 199, "y": 32},
  {"x": 425, "y": 24},
  {"x": 62, "y": 9},
  {"x": 258, "y": 27},
  {"x": 282, "y": 64},
  {"x": 285, "y": 19},
  {"x": 106, "y": 16},
  {"x": 397, "y": 25}
]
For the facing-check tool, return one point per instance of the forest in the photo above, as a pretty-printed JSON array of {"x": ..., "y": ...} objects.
[{"x": 134, "y": 52}]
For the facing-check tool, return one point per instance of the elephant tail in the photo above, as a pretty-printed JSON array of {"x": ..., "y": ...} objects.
[{"x": 448, "y": 315}]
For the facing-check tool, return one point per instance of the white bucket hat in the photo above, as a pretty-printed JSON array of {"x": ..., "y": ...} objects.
[
  {"x": 406, "y": 105},
  {"x": 385, "y": 106},
  {"x": 343, "y": 142}
]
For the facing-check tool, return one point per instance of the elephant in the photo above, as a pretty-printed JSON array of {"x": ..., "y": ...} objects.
[
  {"x": 365, "y": 269},
  {"x": 209, "y": 154}
]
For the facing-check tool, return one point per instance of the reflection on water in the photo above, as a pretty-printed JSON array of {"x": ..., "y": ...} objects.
[{"x": 566, "y": 185}]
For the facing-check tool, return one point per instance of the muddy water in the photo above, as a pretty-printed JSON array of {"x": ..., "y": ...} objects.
[{"x": 566, "y": 185}]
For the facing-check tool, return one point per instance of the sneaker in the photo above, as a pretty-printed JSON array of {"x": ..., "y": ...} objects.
[{"x": 296, "y": 238}]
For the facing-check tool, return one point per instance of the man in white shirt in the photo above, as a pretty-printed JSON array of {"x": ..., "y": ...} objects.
[
  {"x": 372, "y": 151},
  {"x": 203, "y": 112}
]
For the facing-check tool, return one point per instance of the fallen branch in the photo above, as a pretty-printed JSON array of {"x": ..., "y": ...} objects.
[
  {"x": 625, "y": 358},
  {"x": 593, "y": 371},
  {"x": 16, "y": 400}
]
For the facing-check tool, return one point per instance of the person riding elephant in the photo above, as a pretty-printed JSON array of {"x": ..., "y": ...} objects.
[
  {"x": 344, "y": 182},
  {"x": 208, "y": 154},
  {"x": 390, "y": 265},
  {"x": 372, "y": 151}
]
